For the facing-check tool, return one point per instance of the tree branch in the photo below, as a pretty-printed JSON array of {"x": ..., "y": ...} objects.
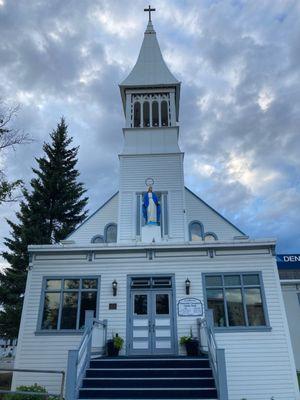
[{"x": 9, "y": 136}]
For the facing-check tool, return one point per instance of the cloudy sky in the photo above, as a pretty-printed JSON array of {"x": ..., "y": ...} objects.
[{"x": 239, "y": 64}]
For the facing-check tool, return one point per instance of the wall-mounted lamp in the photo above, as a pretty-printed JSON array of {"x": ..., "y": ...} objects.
[
  {"x": 114, "y": 287},
  {"x": 187, "y": 286}
]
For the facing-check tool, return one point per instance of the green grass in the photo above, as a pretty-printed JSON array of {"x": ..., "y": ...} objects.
[{"x": 298, "y": 374}]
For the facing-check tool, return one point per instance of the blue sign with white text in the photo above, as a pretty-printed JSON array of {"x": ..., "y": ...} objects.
[{"x": 288, "y": 261}]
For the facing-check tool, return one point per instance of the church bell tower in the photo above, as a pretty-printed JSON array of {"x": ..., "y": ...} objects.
[{"x": 150, "y": 96}]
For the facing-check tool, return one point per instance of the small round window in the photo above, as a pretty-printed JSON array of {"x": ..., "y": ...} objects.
[
  {"x": 209, "y": 238},
  {"x": 98, "y": 239}
]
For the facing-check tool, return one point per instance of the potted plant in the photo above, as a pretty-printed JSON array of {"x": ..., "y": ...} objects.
[
  {"x": 114, "y": 345},
  {"x": 191, "y": 344}
]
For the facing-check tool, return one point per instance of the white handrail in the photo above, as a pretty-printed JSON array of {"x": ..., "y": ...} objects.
[
  {"x": 85, "y": 348},
  {"x": 78, "y": 359},
  {"x": 215, "y": 354}
]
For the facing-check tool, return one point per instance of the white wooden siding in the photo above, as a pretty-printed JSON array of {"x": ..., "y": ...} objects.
[
  {"x": 259, "y": 364},
  {"x": 167, "y": 172},
  {"x": 151, "y": 141},
  {"x": 290, "y": 294},
  {"x": 96, "y": 223},
  {"x": 127, "y": 216},
  {"x": 212, "y": 222}
]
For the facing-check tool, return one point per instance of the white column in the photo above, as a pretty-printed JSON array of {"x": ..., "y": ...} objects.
[
  {"x": 150, "y": 110},
  {"x": 142, "y": 113},
  {"x": 159, "y": 110}
]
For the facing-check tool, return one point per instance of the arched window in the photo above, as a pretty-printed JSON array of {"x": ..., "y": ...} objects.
[
  {"x": 164, "y": 113},
  {"x": 155, "y": 119},
  {"x": 137, "y": 114},
  {"x": 210, "y": 236},
  {"x": 196, "y": 231},
  {"x": 146, "y": 114},
  {"x": 97, "y": 239},
  {"x": 110, "y": 233}
]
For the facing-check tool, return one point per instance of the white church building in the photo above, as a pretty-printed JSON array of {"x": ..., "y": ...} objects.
[{"x": 148, "y": 265}]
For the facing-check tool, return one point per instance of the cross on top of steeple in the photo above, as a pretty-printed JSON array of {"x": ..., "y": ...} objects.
[{"x": 149, "y": 9}]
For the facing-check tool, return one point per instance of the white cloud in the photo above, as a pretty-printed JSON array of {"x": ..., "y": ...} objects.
[
  {"x": 265, "y": 98},
  {"x": 240, "y": 102},
  {"x": 120, "y": 26}
]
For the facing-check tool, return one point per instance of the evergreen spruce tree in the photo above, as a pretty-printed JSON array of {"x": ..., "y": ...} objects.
[{"x": 49, "y": 212}]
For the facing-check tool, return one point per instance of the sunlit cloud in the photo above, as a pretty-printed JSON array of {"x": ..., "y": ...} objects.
[
  {"x": 122, "y": 27},
  {"x": 187, "y": 20},
  {"x": 265, "y": 99},
  {"x": 25, "y": 98},
  {"x": 241, "y": 169},
  {"x": 203, "y": 169}
]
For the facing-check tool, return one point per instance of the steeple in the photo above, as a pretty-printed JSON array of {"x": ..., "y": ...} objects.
[
  {"x": 150, "y": 70},
  {"x": 151, "y": 152}
]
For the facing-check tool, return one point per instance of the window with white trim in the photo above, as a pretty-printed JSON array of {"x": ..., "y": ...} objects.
[
  {"x": 210, "y": 237},
  {"x": 195, "y": 231},
  {"x": 236, "y": 299},
  {"x": 110, "y": 233},
  {"x": 65, "y": 301},
  {"x": 97, "y": 239}
]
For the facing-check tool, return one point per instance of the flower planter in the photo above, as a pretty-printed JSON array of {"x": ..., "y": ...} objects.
[
  {"x": 112, "y": 351},
  {"x": 192, "y": 347}
]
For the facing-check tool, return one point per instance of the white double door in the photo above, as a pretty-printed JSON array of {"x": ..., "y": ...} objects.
[{"x": 151, "y": 322}]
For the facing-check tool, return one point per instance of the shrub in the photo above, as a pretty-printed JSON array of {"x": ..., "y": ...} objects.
[
  {"x": 118, "y": 341},
  {"x": 185, "y": 339},
  {"x": 34, "y": 388}
]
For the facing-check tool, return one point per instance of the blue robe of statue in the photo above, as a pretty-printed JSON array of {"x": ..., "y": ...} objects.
[{"x": 146, "y": 204}]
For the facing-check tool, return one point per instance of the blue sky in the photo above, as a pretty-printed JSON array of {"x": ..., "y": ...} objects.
[{"x": 238, "y": 62}]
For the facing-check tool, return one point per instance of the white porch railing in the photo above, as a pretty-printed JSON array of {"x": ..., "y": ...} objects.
[
  {"x": 216, "y": 355},
  {"x": 93, "y": 341}
]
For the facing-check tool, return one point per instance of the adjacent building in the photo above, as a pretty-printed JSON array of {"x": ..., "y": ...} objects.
[{"x": 289, "y": 274}]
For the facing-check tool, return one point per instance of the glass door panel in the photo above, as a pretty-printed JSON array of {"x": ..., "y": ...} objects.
[
  {"x": 140, "y": 339},
  {"x": 151, "y": 322},
  {"x": 163, "y": 331}
]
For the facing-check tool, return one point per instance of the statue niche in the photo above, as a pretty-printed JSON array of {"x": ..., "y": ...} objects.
[{"x": 151, "y": 208}]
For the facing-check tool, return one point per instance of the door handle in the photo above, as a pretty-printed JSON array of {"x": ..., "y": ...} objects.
[
  {"x": 149, "y": 326},
  {"x": 153, "y": 328}
]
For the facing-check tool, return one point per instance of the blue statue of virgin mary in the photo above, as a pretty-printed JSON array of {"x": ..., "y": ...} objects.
[{"x": 151, "y": 208}]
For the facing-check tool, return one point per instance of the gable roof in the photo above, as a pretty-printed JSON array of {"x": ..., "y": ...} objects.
[
  {"x": 95, "y": 212},
  {"x": 220, "y": 215}
]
